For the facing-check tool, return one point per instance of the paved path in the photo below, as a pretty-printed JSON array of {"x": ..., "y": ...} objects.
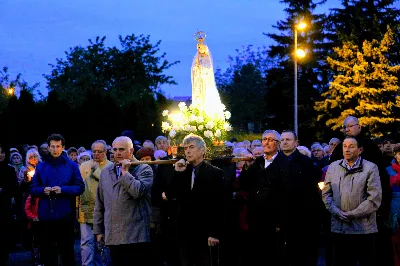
[{"x": 22, "y": 257}]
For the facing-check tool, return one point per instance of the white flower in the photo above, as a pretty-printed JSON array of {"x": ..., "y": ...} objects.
[
  {"x": 193, "y": 128},
  {"x": 208, "y": 134},
  {"x": 182, "y": 106},
  {"x": 223, "y": 106},
  {"x": 200, "y": 119},
  {"x": 227, "y": 127},
  {"x": 172, "y": 133},
  {"x": 188, "y": 127},
  {"x": 165, "y": 112},
  {"x": 193, "y": 118},
  {"x": 201, "y": 127},
  {"x": 217, "y": 133},
  {"x": 227, "y": 114},
  {"x": 210, "y": 125},
  {"x": 165, "y": 126}
]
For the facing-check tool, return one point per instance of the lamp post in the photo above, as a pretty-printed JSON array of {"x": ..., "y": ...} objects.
[{"x": 298, "y": 53}]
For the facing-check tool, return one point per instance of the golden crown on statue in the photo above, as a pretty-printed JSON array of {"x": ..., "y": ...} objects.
[{"x": 200, "y": 36}]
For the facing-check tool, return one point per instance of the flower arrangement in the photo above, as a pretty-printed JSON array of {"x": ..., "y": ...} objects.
[{"x": 212, "y": 127}]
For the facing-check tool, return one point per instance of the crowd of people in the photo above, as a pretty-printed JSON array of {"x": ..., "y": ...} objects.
[{"x": 276, "y": 207}]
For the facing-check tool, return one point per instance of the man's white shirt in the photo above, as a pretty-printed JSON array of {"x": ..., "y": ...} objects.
[{"x": 268, "y": 162}]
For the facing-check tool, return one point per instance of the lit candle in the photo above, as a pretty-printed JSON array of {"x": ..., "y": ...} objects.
[
  {"x": 321, "y": 185},
  {"x": 31, "y": 173}
]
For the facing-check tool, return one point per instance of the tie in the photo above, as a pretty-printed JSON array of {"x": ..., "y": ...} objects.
[
  {"x": 118, "y": 171},
  {"x": 193, "y": 177}
]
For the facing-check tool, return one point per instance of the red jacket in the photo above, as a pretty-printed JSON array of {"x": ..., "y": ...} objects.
[{"x": 31, "y": 209}]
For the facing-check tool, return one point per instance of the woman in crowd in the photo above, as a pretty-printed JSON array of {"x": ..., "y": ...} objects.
[{"x": 25, "y": 175}]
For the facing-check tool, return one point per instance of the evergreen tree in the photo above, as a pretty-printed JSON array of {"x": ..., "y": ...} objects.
[
  {"x": 243, "y": 85},
  {"x": 360, "y": 20},
  {"x": 365, "y": 86},
  {"x": 312, "y": 79}
]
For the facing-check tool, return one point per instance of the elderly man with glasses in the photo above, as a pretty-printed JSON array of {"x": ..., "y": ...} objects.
[
  {"x": 90, "y": 171},
  {"x": 257, "y": 186}
]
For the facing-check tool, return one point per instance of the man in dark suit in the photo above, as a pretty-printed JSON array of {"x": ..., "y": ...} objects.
[
  {"x": 300, "y": 202},
  {"x": 198, "y": 189},
  {"x": 259, "y": 189}
]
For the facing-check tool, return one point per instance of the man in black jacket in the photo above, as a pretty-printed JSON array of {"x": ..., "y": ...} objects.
[
  {"x": 8, "y": 188},
  {"x": 301, "y": 204},
  {"x": 198, "y": 189}
]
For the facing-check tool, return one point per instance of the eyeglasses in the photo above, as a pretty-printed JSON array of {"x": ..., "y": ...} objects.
[
  {"x": 345, "y": 127},
  {"x": 270, "y": 140}
]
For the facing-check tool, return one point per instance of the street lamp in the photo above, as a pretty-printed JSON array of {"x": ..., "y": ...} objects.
[
  {"x": 298, "y": 53},
  {"x": 10, "y": 91}
]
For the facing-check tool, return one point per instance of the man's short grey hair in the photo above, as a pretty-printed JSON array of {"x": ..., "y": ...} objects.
[
  {"x": 271, "y": 131},
  {"x": 100, "y": 141},
  {"x": 148, "y": 144},
  {"x": 199, "y": 141},
  {"x": 160, "y": 138},
  {"x": 258, "y": 148},
  {"x": 256, "y": 142},
  {"x": 349, "y": 119},
  {"x": 240, "y": 152},
  {"x": 317, "y": 146},
  {"x": 126, "y": 140},
  {"x": 334, "y": 140}
]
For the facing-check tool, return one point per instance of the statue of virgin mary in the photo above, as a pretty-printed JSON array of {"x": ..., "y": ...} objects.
[{"x": 204, "y": 90}]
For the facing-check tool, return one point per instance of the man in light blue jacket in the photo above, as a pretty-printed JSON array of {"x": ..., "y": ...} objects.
[
  {"x": 353, "y": 194},
  {"x": 122, "y": 209}
]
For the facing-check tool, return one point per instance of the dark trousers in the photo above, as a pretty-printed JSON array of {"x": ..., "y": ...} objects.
[
  {"x": 169, "y": 243},
  {"x": 384, "y": 247},
  {"x": 194, "y": 252},
  {"x": 137, "y": 254},
  {"x": 57, "y": 237},
  {"x": 350, "y": 249},
  {"x": 263, "y": 247}
]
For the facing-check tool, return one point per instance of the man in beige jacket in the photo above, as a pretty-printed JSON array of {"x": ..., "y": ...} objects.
[
  {"x": 90, "y": 172},
  {"x": 353, "y": 194}
]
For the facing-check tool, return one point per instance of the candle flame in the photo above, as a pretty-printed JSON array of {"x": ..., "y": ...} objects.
[
  {"x": 31, "y": 173},
  {"x": 321, "y": 185}
]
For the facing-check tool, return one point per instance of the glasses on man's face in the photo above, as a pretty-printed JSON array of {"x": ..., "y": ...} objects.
[
  {"x": 270, "y": 140},
  {"x": 349, "y": 126}
]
